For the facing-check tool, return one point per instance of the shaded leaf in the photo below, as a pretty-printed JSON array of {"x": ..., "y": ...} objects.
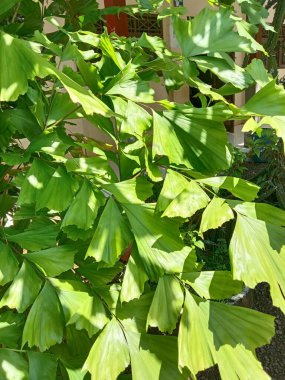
[
  {"x": 44, "y": 325},
  {"x": 54, "y": 261},
  {"x": 9, "y": 264},
  {"x": 84, "y": 208},
  {"x": 158, "y": 240},
  {"x": 166, "y": 304},
  {"x": 23, "y": 290},
  {"x": 35, "y": 238},
  {"x": 11, "y": 327},
  {"x": 13, "y": 366},
  {"x": 42, "y": 366},
  {"x": 154, "y": 356},
  {"x": 35, "y": 181},
  {"x": 111, "y": 236},
  {"x": 58, "y": 193}
]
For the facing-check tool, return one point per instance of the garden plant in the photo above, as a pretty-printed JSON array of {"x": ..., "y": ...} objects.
[{"x": 97, "y": 279}]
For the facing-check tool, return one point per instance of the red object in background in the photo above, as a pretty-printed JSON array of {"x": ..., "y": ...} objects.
[{"x": 117, "y": 23}]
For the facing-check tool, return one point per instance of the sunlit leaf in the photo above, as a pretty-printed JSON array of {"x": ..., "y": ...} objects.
[
  {"x": 215, "y": 215},
  {"x": 258, "y": 255},
  {"x": 213, "y": 284},
  {"x": 214, "y": 333},
  {"x": 134, "y": 278},
  {"x": 183, "y": 137},
  {"x": 109, "y": 355},
  {"x": 209, "y": 32},
  {"x": 239, "y": 187}
]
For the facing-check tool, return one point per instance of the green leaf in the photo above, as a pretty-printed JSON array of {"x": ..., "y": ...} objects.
[
  {"x": 134, "y": 190},
  {"x": 258, "y": 255},
  {"x": 111, "y": 237},
  {"x": 215, "y": 215},
  {"x": 134, "y": 278},
  {"x": 239, "y": 187},
  {"x": 135, "y": 119},
  {"x": 258, "y": 72},
  {"x": 11, "y": 327},
  {"x": 133, "y": 314},
  {"x": 7, "y": 4},
  {"x": 154, "y": 356},
  {"x": 261, "y": 211},
  {"x": 268, "y": 101},
  {"x": 42, "y": 366},
  {"x": 277, "y": 123},
  {"x": 214, "y": 333},
  {"x": 107, "y": 48},
  {"x": 9, "y": 264},
  {"x": 35, "y": 181},
  {"x": 13, "y": 366},
  {"x": 35, "y": 238},
  {"x": 22, "y": 121},
  {"x": 173, "y": 185},
  {"x": 91, "y": 315},
  {"x": 23, "y": 290},
  {"x": 54, "y": 261},
  {"x": 158, "y": 240},
  {"x": 98, "y": 274},
  {"x": 215, "y": 285},
  {"x": 84, "y": 208},
  {"x": 79, "y": 307},
  {"x": 166, "y": 304},
  {"x": 228, "y": 73},
  {"x": 188, "y": 202},
  {"x": 134, "y": 90},
  {"x": 44, "y": 325},
  {"x": 109, "y": 355},
  {"x": 60, "y": 108},
  {"x": 256, "y": 13},
  {"x": 98, "y": 166},
  {"x": 14, "y": 82},
  {"x": 58, "y": 193},
  {"x": 183, "y": 137},
  {"x": 209, "y": 32}
]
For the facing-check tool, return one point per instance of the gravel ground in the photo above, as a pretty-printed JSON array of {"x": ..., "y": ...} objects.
[{"x": 272, "y": 356}]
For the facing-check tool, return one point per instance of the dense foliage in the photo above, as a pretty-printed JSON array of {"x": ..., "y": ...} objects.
[{"x": 97, "y": 277}]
